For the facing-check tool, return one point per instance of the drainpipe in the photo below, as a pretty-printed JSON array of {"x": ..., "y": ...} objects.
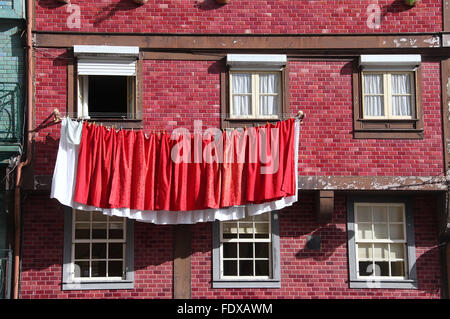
[{"x": 17, "y": 207}]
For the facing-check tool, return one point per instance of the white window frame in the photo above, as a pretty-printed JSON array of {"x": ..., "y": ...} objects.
[
  {"x": 387, "y": 95},
  {"x": 246, "y": 240},
  {"x": 382, "y": 241},
  {"x": 381, "y": 282},
  {"x": 274, "y": 281},
  {"x": 255, "y": 95},
  {"x": 70, "y": 282},
  {"x": 106, "y": 241}
]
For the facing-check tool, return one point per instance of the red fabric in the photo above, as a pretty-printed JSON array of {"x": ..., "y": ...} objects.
[{"x": 127, "y": 169}]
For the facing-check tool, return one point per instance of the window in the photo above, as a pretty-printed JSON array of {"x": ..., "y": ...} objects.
[
  {"x": 246, "y": 252},
  {"x": 255, "y": 95},
  {"x": 381, "y": 245},
  {"x": 97, "y": 251},
  {"x": 107, "y": 83},
  {"x": 253, "y": 89},
  {"x": 387, "y": 97}
]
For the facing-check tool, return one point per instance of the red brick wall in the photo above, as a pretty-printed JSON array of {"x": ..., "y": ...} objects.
[
  {"x": 42, "y": 256},
  {"x": 176, "y": 93},
  {"x": 322, "y": 274},
  {"x": 243, "y": 16},
  {"x": 323, "y": 90},
  {"x": 304, "y": 274}
]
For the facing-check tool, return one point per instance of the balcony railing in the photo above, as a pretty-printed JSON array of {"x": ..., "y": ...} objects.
[
  {"x": 5, "y": 273},
  {"x": 10, "y": 112}
]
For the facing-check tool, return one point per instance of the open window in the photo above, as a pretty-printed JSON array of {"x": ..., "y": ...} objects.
[
  {"x": 107, "y": 83},
  {"x": 387, "y": 100}
]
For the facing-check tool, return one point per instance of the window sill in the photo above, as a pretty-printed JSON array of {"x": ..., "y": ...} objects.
[
  {"x": 268, "y": 283},
  {"x": 385, "y": 284},
  {"x": 98, "y": 285},
  {"x": 119, "y": 123},
  {"x": 388, "y": 134}
]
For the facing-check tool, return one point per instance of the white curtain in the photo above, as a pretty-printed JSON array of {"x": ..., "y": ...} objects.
[
  {"x": 241, "y": 90},
  {"x": 268, "y": 84},
  {"x": 401, "y": 98},
  {"x": 373, "y": 95}
]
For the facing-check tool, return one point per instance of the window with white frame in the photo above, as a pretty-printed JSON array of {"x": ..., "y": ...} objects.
[
  {"x": 255, "y": 94},
  {"x": 106, "y": 82},
  {"x": 381, "y": 240},
  {"x": 246, "y": 248},
  {"x": 98, "y": 246},
  {"x": 98, "y": 251},
  {"x": 255, "y": 86},
  {"x": 388, "y": 95},
  {"x": 381, "y": 243}
]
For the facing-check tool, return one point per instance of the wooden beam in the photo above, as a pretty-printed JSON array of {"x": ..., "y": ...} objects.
[
  {"x": 324, "y": 206},
  {"x": 182, "y": 262},
  {"x": 373, "y": 183},
  {"x": 446, "y": 15},
  {"x": 239, "y": 42}
]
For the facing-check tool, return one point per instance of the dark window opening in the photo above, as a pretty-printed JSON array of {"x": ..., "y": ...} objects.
[{"x": 108, "y": 96}]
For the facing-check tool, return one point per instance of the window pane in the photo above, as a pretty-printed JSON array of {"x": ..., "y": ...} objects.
[
  {"x": 229, "y": 250},
  {"x": 373, "y": 106},
  {"x": 262, "y": 250},
  {"x": 261, "y": 230},
  {"x": 364, "y": 231},
  {"x": 115, "y": 251},
  {"x": 98, "y": 217},
  {"x": 401, "y": 106},
  {"x": 268, "y": 83},
  {"x": 230, "y": 268},
  {"x": 99, "y": 251},
  {"x": 82, "y": 231},
  {"x": 373, "y": 84},
  {"x": 115, "y": 269},
  {"x": 241, "y": 83},
  {"x": 381, "y": 268},
  {"x": 81, "y": 269},
  {"x": 245, "y": 268},
  {"x": 380, "y": 214},
  {"x": 242, "y": 105},
  {"x": 364, "y": 251},
  {"x": 397, "y": 251},
  {"x": 268, "y": 105},
  {"x": 365, "y": 268},
  {"x": 262, "y": 217},
  {"x": 398, "y": 268},
  {"x": 245, "y": 230},
  {"x": 401, "y": 83},
  {"x": 363, "y": 214},
  {"x": 229, "y": 230},
  {"x": 81, "y": 251},
  {"x": 82, "y": 215},
  {"x": 116, "y": 230},
  {"x": 262, "y": 268},
  {"x": 99, "y": 231},
  {"x": 246, "y": 250},
  {"x": 107, "y": 96},
  {"x": 380, "y": 251},
  {"x": 396, "y": 231},
  {"x": 380, "y": 231},
  {"x": 396, "y": 214},
  {"x": 98, "y": 269}
]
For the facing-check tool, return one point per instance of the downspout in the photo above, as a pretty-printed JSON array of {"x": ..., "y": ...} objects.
[{"x": 17, "y": 193}]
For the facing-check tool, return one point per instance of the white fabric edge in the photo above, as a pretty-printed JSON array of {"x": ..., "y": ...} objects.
[{"x": 163, "y": 217}]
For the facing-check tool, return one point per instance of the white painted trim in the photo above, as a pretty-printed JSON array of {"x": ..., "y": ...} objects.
[
  {"x": 266, "y": 62},
  {"x": 80, "y": 50},
  {"x": 390, "y": 60}
]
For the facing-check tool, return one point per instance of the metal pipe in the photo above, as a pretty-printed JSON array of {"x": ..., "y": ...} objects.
[{"x": 17, "y": 206}]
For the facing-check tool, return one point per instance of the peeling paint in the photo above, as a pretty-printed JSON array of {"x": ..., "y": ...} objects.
[{"x": 433, "y": 41}]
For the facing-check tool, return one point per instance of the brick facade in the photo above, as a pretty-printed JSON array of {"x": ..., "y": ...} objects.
[{"x": 178, "y": 92}]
